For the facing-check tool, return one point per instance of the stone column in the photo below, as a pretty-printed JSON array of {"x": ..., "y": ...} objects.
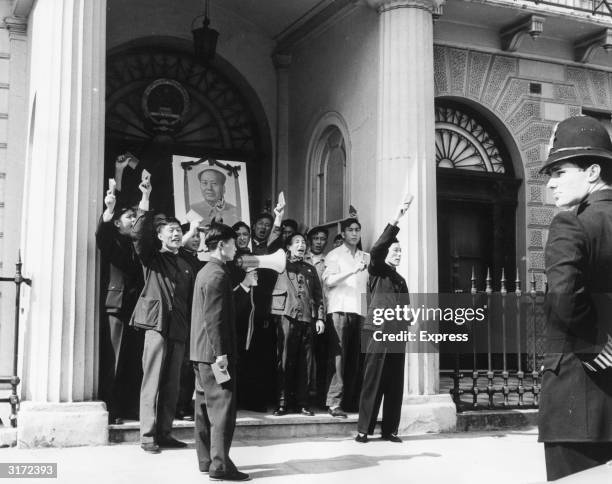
[
  {"x": 281, "y": 166},
  {"x": 406, "y": 161},
  {"x": 12, "y": 152},
  {"x": 62, "y": 202}
]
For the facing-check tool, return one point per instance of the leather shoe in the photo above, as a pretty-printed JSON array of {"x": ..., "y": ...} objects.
[
  {"x": 361, "y": 438},
  {"x": 150, "y": 447},
  {"x": 307, "y": 411},
  {"x": 391, "y": 438},
  {"x": 280, "y": 411},
  {"x": 234, "y": 476},
  {"x": 171, "y": 443},
  {"x": 337, "y": 412}
]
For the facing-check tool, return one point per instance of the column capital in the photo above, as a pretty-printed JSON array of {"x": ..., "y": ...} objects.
[
  {"x": 385, "y": 5},
  {"x": 281, "y": 61},
  {"x": 16, "y": 25}
]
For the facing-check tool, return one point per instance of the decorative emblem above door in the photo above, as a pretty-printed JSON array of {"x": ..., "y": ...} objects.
[{"x": 463, "y": 143}]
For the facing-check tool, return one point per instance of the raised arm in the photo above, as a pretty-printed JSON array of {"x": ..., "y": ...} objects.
[
  {"x": 143, "y": 234},
  {"x": 378, "y": 252}
]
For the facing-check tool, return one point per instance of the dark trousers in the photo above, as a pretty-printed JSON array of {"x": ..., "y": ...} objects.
[
  {"x": 215, "y": 420},
  {"x": 258, "y": 366},
  {"x": 184, "y": 405},
  {"x": 344, "y": 348},
  {"x": 295, "y": 362},
  {"x": 322, "y": 363},
  {"x": 565, "y": 458},
  {"x": 383, "y": 377},
  {"x": 120, "y": 371},
  {"x": 161, "y": 365}
]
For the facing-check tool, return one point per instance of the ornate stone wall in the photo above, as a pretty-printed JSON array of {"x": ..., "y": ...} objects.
[{"x": 502, "y": 84}]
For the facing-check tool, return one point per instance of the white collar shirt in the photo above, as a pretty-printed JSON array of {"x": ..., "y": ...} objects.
[{"x": 349, "y": 295}]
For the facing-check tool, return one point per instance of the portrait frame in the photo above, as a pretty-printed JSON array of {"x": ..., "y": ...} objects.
[{"x": 189, "y": 201}]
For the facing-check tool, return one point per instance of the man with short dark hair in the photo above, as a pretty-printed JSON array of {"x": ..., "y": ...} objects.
[
  {"x": 346, "y": 280},
  {"x": 163, "y": 311},
  {"x": 213, "y": 342},
  {"x": 317, "y": 241},
  {"x": 288, "y": 228},
  {"x": 575, "y": 413}
]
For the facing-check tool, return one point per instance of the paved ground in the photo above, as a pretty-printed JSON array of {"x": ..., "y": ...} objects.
[{"x": 475, "y": 458}]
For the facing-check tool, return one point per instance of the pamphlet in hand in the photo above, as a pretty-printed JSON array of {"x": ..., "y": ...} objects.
[{"x": 220, "y": 375}]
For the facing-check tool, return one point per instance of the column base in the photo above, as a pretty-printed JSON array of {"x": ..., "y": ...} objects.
[
  {"x": 428, "y": 413},
  {"x": 62, "y": 424}
]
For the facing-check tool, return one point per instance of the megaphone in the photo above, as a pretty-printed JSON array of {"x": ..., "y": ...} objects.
[{"x": 277, "y": 261}]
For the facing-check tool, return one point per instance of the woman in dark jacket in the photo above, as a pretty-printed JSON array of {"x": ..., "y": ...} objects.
[{"x": 383, "y": 370}]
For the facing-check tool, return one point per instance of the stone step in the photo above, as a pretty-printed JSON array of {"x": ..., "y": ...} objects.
[{"x": 257, "y": 426}]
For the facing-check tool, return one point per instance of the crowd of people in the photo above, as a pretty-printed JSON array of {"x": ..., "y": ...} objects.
[{"x": 289, "y": 340}]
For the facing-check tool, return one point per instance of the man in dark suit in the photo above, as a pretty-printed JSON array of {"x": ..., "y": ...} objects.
[
  {"x": 163, "y": 311},
  {"x": 575, "y": 418},
  {"x": 384, "y": 364},
  {"x": 213, "y": 343}
]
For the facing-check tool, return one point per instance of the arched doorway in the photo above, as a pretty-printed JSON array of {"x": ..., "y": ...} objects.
[
  {"x": 161, "y": 102},
  {"x": 477, "y": 200}
]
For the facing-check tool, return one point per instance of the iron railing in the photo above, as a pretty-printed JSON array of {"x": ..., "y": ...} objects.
[
  {"x": 502, "y": 370},
  {"x": 14, "y": 380}
]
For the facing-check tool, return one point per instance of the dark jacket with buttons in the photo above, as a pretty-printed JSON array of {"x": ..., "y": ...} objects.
[
  {"x": 575, "y": 404},
  {"x": 386, "y": 288},
  {"x": 122, "y": 276},
  {"x": 298, "y": 294},
  {"x": 155, "y": 307}
]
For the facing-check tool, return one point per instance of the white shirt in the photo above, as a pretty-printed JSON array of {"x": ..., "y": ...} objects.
[{"x": 346, "y": 297}]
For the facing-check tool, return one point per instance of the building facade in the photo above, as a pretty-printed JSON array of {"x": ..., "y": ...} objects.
[{"x": 334, "y": 102}]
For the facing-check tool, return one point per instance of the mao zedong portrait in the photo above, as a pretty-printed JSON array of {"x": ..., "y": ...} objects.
[{"x": 213, "y": 203}]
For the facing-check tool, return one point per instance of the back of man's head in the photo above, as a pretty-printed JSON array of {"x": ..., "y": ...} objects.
[{"x": 217, "y": 233}]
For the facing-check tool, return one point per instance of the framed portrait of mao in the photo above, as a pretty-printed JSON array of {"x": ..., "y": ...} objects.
[{"x": 205, "y": 188}]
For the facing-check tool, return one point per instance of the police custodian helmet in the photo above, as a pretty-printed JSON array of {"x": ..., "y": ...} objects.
[{"x": 578, "y": 137}]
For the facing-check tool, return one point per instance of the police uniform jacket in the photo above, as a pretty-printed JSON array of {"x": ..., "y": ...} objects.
[{"x": 576, "y": 404}]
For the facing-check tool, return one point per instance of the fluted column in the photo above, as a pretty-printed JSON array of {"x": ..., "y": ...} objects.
[
  {"x": 62, "y": 202},
  {"x": 281, "y": 168},
  {"x": 406, "y": 161}
]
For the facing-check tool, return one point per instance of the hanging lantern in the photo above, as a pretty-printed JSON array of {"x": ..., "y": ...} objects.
[{"x": 204, "y": 39}]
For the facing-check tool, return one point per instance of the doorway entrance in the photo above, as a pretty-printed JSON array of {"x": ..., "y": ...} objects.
[{"x": 477, "y": 200}]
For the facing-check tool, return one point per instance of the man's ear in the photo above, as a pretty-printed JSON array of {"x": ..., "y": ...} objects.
[
  {"x": 117, "y": 223},
  {"x": 159, "y": 236},
  {"x": 594, "y": 172}
]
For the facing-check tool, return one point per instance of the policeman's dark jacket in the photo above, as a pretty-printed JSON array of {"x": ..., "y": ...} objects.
[
  {"x": 213, "y": 317},
  {"x": 301, "y": 303},
  {"x": 386, "y": 288},
  {"x": 165, "y": 301},
  {"x": 576, "y": 405},
  {"x": 122, "y": 275}
]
